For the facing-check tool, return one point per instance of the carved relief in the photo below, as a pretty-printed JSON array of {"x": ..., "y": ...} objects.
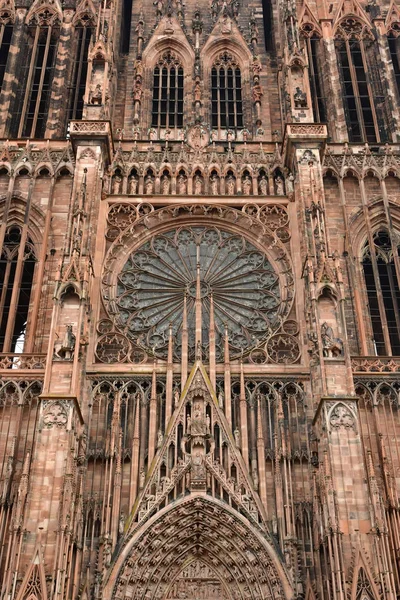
[{"x": 55, "y": 414}]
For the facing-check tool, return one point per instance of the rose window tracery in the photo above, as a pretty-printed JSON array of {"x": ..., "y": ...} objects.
[{"x": 161, "y": 275}]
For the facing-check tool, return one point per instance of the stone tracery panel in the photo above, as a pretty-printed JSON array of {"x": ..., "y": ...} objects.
[{"x": 145, "y": 290}]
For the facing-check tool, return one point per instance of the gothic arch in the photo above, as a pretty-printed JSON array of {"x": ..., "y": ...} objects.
[
  {"x": 237, "y": 47},
  {"x": 364, "y": 583},
  {"x": 16, "y": 215},
  {"x": 358, "y": 231},
  {"x": 197, "y": 527},
  {"x": 156, "y": 47}
]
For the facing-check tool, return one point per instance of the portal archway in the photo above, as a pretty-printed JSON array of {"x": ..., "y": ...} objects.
[{"x": 198, "y": 549}]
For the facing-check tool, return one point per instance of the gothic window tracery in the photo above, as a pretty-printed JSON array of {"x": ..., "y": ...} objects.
[
  {"x": 30, "y": 119},
  {"x": 17, "y": 266},
  {"x": 167, "y": 107},
  {"x": 382, "y": 285},
  {"x": 226, "y": 93},
  {"x": 314, "y": 45},
  {"x": 161, "y": 276},
  {"x": 361, "y": 86},
  {"x": 83, "y": 35},
  {"x": 6, "y": 30},
  {"x": 394, "y": 47}
]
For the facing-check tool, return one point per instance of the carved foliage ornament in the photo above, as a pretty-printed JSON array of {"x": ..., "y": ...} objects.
[
  {"x": 341, "y": 417},
  {"x": 55, "y": 414}
]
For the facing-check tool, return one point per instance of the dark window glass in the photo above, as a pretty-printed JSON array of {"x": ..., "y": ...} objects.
[
  {"x": 384, "y": 286},
  {"x": 226, "y": 96},
  {"x": 5, "y": 36},
  {"x": 167, "y": 105},
  {"x": 79, "y": 73}
]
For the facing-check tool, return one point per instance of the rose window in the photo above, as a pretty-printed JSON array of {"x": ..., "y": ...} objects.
[{"x": 158, "y": 276}]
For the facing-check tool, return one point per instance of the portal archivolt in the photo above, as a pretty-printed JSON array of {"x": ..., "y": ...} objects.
[{"x": 199, "y": 549}]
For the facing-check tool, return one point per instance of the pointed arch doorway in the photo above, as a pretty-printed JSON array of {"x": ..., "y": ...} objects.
[{"x": 197, "y": 549}]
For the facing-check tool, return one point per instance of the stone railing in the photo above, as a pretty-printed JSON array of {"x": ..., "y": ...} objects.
[
  {"x": 23, "y": 361},
  {"x": 376, "y": 364}
]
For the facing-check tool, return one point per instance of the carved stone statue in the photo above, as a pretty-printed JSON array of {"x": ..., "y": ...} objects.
[
  {"x": 137, "y": 90},
  {"x": 221, "y": 400},
  {"x": 142, "y": 478},
  {"x": 197, "y": 92},
  {"x": 331, "y": 346},
  {"x": 96, "y": 95},
  {"x": 300, "y": 98},
  {"x": 160, "y": 438},
  {"x": 149, "y": 184},
  {"x": 165, "y": 184},
  {"x": 198, "y": 185},
  {"x": 214, "y": 185},
  {"x": 263, "y": 186},
  {"x": 133, "y": 184},
  {"x": 230, "y": 185},
  {"x": 116, "y": 184},
  {"x": 236, "y": 435},
  {"x": 279, "y": 185},
  {"x": 64, "y": 349},
  {"x": 176, "y": 397},
  {"x": 257, "y": 92},
  {"x": 246, "y": 185},
  {"x": 182, "y": 185}
]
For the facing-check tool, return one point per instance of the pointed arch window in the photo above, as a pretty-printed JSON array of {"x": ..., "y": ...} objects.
[
  {"x": 362, "y": 92},
  {"x": 314, "y": 45},
  {"x": 37, "y": 76},
  {"x": 83, "y": 35},
  {"x": 6, "y": 30},
  {"x": 394, "y": 47},
  {"x": 167, "y": 107},
  {"x": 382, "y": 285},
  {"x": 226, "y": 93},
  {"x": 17, "y": 265}
]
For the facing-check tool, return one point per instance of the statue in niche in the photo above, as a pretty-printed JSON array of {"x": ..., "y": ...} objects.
[
  {"x": 149, "y": 184},
  {"x": 257, "y": 90},
  {"x": 214, "y": 185},
  {"x": 182, "y": 185},
  {"x": 176, "y": 397},
  {"x": 263, "y": 186},
  {"x": 279, "y": 186},
  {"x": 199, "y": 471},
  {"x": 142, "y": 478},
  {"x": 198, "y": 185},
  {"x": 230, "y": 185},
  {"x": 290, "y": 184},
  {"x": 246, "y": 185},
  {"x": 116, "y": 183},
  {"x": 96, "y": 95},
  {"x": 331, "y": 346},
  {"x": 160, "y": 438},
  {"x": 236, "y": 435},
  {"x": 137, "y": 90},
  {"x": 197, "y": 91},
  {"x": 300, "y": 98},
  {"x": 64, "y": 348},
  {"x": 133, "y": 184},
  {"x": 165, "y": 184},
  {"x": 221, "y": 400}
]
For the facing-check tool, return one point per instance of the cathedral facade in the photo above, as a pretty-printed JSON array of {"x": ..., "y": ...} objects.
[{"x": 199, "y": 300}]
